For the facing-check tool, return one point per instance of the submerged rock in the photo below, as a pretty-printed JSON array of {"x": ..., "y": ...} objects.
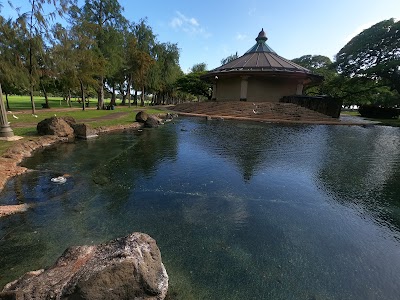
[{"x": 124, "y": 268}]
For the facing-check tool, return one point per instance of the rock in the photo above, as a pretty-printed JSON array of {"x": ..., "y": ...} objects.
[
  {"x": 124, "y": 268},
  {"x": 70, "y": 120},
  {"x": 141, "y": 117},
  {"x": 84, "y": 131},
  {"x": 6, "y": 210},
  {"x": 152, "y": 121},
  {"x": 171, "y": 116},
  {"x": 55, "y": 126}
]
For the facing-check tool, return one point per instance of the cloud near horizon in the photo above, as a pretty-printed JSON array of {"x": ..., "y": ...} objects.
[{"x": 188, "y": 24}]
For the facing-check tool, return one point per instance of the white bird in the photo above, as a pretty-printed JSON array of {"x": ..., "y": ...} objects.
[
  {"x": 34, "y": 115},
  {"x": 55, "y": 115},
  {"x": 254, "y": 111},
  {"x": 14, "y": 116}
]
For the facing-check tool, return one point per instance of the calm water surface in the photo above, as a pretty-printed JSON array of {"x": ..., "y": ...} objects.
[{"x": 239, "y": 210}]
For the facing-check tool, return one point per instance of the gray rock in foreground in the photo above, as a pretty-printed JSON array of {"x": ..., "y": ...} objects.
[{"x": 124, "y": 268}]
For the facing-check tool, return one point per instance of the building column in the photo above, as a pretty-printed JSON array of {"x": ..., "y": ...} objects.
[
  {"x": 243, "y": 88},
  {"x": 5, "y": 129},
  {"x": 214, "y": 90},
  {"x": 299, "y": 90}
]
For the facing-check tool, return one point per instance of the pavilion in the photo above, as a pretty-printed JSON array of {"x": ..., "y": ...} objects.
[{"x": 260, "y": 75}]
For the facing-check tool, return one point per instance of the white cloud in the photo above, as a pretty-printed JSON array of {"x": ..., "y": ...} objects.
[
  {"x": 241, "y": 37},
  {"x": 176, "y": 22},
  {"x": 251, "y": 12},
  {"x": 189, "y": 25}
]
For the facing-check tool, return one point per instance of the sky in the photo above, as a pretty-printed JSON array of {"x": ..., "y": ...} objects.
[{"x": 208, "y": 31}]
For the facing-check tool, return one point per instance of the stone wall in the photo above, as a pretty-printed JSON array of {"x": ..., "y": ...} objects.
[{"x": 322, "y": 104}]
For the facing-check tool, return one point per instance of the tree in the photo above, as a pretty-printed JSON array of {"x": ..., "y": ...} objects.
[
  {"x": 198, "y": 68},
  {"x": 320, "y": 65},
  {"x": 77, "y": 64},
  {"x": 313, "y": 62},
  {"x": 373, "y": 54},
  {"x": 144, "y": 58},
  {"x": 36, "y": 22},
  {"x": 228, "y": 59},
  {"x": 164, "y": 72},
  {"x": 192, "y": 83},
  {"x": 143, "y": 64},
  {"x": 12, "y": 71},
  {"x": 100, "y": 20}
]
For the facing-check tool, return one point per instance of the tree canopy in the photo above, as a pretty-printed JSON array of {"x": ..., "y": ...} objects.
[
  {"x": 228, "y": 59},
  {"x": 373, "y": 54},
  {"x": 97, "y": 50}
]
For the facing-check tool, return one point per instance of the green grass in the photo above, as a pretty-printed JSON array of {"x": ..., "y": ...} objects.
[
  {"x": 18, "y": 103},
  {"x": 383, "y": 122},
  {"x": 24, "y": 102},
  {"x": 24, "y": 123},
  {"x": 350, "y": 113}
]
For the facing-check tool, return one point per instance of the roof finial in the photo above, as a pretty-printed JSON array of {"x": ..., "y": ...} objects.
[{"x": 261, "y": 36}]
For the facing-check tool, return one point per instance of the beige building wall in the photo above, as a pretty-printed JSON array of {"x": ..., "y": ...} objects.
[
  {"x": 270, "y": 89},
  {"x": 258, "y": 90},
  {"x": 228, "y": 89}
]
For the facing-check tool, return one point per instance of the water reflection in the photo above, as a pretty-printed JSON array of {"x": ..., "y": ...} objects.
[
  {"x": 239, "y": 210},
  {"x": 254, "y": 146},
  {"x": 362, "y": 168}
]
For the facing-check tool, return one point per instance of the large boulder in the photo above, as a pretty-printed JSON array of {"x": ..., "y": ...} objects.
[
  {"x": 152, "y": 121},
  {"x": 55, "y": 126},
  {"x": 141, "y": 117},
  {"x": 124, "y": 268},
  {"x": 84, "y": 131}
]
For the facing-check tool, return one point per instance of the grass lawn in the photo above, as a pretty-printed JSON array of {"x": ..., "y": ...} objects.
[
  {"x": 384, "y": 122},
  {"x": 24, "y": 123},
  {"x": 24, "y": 102}
]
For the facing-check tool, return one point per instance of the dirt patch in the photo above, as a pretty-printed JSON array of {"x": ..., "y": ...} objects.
[{"x": 258, "y": 111}]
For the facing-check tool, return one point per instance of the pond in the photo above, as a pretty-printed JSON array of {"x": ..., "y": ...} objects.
[{"x": 239, "y": 210}]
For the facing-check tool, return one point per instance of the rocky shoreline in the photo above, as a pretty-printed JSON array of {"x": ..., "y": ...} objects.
[
  {"x": 124, "y": 268},
  {"x": 24, "y": 148}
]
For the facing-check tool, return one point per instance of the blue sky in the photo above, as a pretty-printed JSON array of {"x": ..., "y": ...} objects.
[{"x": 208, "y": 31}]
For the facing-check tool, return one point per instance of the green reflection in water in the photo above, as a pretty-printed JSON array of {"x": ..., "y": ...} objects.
[{"x": 239, "y": 210}]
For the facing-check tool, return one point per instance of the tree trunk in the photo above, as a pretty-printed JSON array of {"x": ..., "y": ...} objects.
[
  {"x": 128, "y": 90},
  {"x": 30, "y": 61},
  {"x": 113, "y": 97},
  {"x": 69, "y": 98},
  {"x": 135, "y": 98},
  {"x": 142, "y": 97},
  {"x": 46, "y": 99},
  {"x": 8, "y": 104},
  {"x": 82, "y": 94},
  {"x": 100, "y": 94}
]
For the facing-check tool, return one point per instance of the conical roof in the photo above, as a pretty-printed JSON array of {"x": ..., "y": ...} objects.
[{"x": 261, "y": 58}]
